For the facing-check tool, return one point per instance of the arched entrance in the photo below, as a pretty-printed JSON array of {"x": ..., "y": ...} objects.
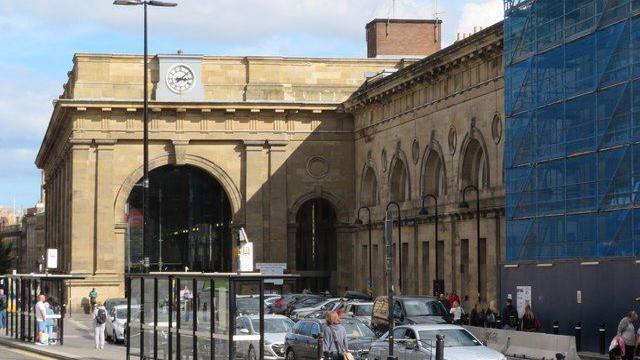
[
  {"x": 189, "y": 222},
  {"x": 316, "y": 247}
]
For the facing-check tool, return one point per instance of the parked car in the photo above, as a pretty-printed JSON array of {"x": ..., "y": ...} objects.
[
  {"x": 359, "y": 310},
  {"x": 326, "y": 305},
  {"x": 110, "y": 303},
  {"x": 275, "y": 329},
  {"x": 116, "y": 322},
  {"x": 279, "y": 306},
  {"x": 304, "y": 301},
  {"x": 417, "y": 342},
  {"x": 302, "y": 341},
  {"x": 408, "y": 310}
]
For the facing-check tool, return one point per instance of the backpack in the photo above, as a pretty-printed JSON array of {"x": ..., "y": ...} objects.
[{"x": 101, "y": 318}]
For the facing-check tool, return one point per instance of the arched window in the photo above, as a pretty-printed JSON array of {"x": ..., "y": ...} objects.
[
  {"x": 433, "y": 178},
  {"x": 399, "y": 182},
  {"x": 474, "y": 169},
  {"x": 369, "y": 190}
]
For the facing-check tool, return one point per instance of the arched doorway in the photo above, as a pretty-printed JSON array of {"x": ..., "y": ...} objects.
[
  {"x": 316, "y": 247},
  {"x": 189, "y": 222}
]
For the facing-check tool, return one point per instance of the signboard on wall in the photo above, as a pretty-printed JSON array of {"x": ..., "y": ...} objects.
[
  {"x": 523, "y": 298},
  {"x": 52, "y": 258},
  {"x": 245, "y": 253}
]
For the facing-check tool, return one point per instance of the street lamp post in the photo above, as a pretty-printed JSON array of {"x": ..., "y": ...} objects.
[
  {"x": 465, "y": 205},
  {"x": 399, "y": 243},
  {"x": 145, "y": 131},
  {"x": 424, "y": 212},
  {"x": 359, "y": 222}
]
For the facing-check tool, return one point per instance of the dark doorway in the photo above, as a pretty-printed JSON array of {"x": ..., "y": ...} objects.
[
  {"x": 316, "y": 250},
  {"x": 189, "y": 222}
]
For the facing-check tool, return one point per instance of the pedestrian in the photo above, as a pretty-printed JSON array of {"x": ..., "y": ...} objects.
[
  {"x": 457, "y": 312},
  {"x": 3, "y": 309},
  {"x": 529, "y": 320},
  {"x": 49, "y": 322},
  {"x": 490, "y": 314},
  {"x": 185, "y": 298},
  {"x": 99, "y": 321},
  {"x": 41, "y": 320},
  {"x": 510, "y": 316},
  {"x": 627, "y": 331},
  {"x": 443, "y": 301},
  {"x": 93, "y": 295},
  {"x": 335, "y": 344},
  {"x": 452, "y": 298},
  {"x": 477, "y": 315}
]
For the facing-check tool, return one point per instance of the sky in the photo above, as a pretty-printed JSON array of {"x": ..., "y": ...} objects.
[{"x": 39, "y": 37}]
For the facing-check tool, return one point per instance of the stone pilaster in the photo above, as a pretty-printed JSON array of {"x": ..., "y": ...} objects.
[
  {"x": 104, "y": 239},
  {"x": 277, "y": 202},
  {"x": 256, "y": 175},
  {"x": 82, "y": 251}
]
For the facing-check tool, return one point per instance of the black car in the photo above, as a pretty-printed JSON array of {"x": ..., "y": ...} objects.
[
  {"x": 408, "y": 310},
  {"x": 302, "y": 342}
]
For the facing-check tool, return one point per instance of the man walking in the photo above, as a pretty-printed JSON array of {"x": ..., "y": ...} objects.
[
  {"x": 93, "y": 295},
  {"x": 41, "y": 320},
  {"x": 510, "y": 316}
]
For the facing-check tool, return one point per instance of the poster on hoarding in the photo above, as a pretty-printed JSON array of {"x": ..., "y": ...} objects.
[{"x": 523, "y": 298}]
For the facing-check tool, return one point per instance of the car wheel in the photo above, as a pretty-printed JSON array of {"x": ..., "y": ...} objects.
[
  {"x": 252, "y": 354},
  {"x": 291, "y": 355}
]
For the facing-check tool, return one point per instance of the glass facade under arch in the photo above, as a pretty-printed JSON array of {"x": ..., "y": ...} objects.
[
  {"x": 572, "y": 152},
  {"x": 189, "y": 222}
]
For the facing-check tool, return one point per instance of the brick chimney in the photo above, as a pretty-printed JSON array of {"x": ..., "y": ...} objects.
[{"x": 403, "y": 38}]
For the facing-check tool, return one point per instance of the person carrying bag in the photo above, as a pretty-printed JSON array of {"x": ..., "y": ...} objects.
[{"x": 335, "y": 344}]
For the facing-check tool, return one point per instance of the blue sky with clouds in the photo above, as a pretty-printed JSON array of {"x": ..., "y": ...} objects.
[{"x": 39, "y": 38}]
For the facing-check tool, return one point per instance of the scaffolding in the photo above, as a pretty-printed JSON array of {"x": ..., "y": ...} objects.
[{"x": 572, "y": 151}]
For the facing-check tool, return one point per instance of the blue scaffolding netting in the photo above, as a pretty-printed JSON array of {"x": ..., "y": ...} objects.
[{"x": 572, "y": 151}]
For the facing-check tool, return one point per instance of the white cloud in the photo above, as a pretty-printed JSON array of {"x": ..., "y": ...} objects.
[{"x": 480, "y": 13}]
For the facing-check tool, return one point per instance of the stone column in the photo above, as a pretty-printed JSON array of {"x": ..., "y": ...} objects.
[
  {"x": 256, "y": 175},
  {"x": 277, "y": 202},
  {"x": 106, "y": 247},
  {"x": 82, "y": 253}
]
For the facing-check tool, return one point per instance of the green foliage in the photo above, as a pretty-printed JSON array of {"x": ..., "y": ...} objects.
[{"x": 5, "y": 257}]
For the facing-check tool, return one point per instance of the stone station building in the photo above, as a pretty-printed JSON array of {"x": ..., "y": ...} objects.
[{"x": 287, "y": 148}]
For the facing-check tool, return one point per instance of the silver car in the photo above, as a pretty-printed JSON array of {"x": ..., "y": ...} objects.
[
  {"x": 417, "y": 342},
  {"x": 247, "y": 336},
  {"x": 324, "y": 306},
  {"x": 116, "y": 321}
]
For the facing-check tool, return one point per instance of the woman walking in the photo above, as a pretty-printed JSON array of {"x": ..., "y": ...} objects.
[
  {"x": 529, "y": 320},
  {"x": 627, "y": 331},
  {"x": 457, "y": 312},
  {"x": 99, "y": 321},
  {"x": 334, "y": 341}
]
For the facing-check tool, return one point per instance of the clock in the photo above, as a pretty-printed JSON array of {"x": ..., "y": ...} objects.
[{"x": 180, "y": 78}]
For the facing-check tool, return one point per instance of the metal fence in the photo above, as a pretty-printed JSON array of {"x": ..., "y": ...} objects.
[
  {"x": 193, "y": 315},
  {"x": 21, "y": 297}
]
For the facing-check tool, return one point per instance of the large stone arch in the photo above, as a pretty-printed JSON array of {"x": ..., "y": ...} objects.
[
  {"x": 473, "y": 134},
  {"x": 235, "y": 198},
  {"x": 336, "y": 202},
  {"x": 399, "y": 156},
  {"x": 433, "y": 147}
]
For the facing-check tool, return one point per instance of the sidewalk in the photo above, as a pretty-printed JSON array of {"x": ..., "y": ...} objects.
[{"x": 78, "y": 343}]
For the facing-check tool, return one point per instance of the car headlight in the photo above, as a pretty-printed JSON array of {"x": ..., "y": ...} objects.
[{"x": 278, "y": 349}]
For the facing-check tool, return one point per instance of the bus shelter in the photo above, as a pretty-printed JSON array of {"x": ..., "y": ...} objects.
[
  {"x": 200, "y": 316},
  {"x": 22, "y": 292}
]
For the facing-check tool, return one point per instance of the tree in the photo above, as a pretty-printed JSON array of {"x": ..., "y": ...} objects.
[{"x": 5, "y": 257}]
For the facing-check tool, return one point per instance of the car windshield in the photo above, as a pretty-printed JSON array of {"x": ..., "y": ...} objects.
[
  {"x": 248, "y": 306},
  {"x": 280, "y": 325},
  {"x": 452, "y": 338},
  {"x": 356, "y": 329},
  {"x": 121, "y": 314},
  {"x": 363, "y": 310},
  {"x": 423, "y": 307}
]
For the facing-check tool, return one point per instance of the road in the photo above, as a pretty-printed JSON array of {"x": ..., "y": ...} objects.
[{"x": 15, "y": 354}]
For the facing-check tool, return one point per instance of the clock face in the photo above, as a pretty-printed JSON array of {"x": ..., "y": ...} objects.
[{"x": 180, "y": 78}]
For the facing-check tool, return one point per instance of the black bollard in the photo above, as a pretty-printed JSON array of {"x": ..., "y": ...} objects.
[
  {"x": 602, "y": 332},
  {"x": 556, "y": 327},
  {"x": 439, "y": 347},
  {"x": 498, "y": 322},
  {"x": 578, "y": 330}
]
